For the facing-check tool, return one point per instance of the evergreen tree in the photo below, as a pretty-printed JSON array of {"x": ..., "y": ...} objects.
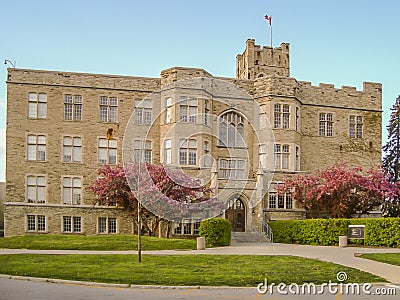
[{"x": 391, "y": 160}]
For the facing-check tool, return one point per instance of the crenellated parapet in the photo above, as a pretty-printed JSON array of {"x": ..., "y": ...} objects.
[
  {"x": 260, "y": 61},
  {"x": 370, "y": 98}
]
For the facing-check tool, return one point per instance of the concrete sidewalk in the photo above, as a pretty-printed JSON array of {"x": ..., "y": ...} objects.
[{"x": 343, "y": 256}]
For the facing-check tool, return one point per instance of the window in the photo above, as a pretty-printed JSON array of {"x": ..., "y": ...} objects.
[
  {"x": 73, "y": 107},
  {"x": 196, "y": 226},
  {"x": 72, "y": 190},
  {"x": 280, "y": 201},
  {"x": 72, "y": 149},
  {"x": 143, "y": 112},
  {"x": 188, "y": 109},
  {"x": 206, "y": 112},
  {"x": 356, "y": 127},
  {"x": 168, "y": 151},
  {"x": 36, "y": 147},
  {"x": 281, "y": 116},
  {"x": 168, "y": 110},
  {"x": 142, "y": 151},
  {"x": 36, "y": 223},
  {"x": 178, "y": 228},
  {"x": 206, "y": 160},
  {"x": 107, "y": 225},
  {"x": 281, "y": 155},
  {"x": 262, "y": 151},
  {"x": 107, "y": 151},
  {"x": 36, "y": 189},
  {"x": 231, "y": 130},
  {"x": 325, "y": 124},
  {"x": 187, "y": 227},
  {"x": 297, "y": 159},
  {"x": 37, "y": 106},
  {"x": 72, "y": 224},
  {"x": 187, "y": 152},
  {"x": 108, "y": 109},
  {"x": 297, "y": 118},
  {"x": 232, "y": 168}
]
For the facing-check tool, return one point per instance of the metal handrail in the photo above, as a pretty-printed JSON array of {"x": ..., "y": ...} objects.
[{"x": 268, "y": 232}]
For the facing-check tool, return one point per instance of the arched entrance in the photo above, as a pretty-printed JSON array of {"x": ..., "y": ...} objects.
[{"x": 236, "y": 214}]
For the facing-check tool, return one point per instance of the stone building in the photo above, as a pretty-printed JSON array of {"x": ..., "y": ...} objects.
[{"x": 245, "y": 133}]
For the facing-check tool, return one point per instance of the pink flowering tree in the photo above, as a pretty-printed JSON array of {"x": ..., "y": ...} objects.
[
  {"x": 340, "y": 191},
  {"x": 155, "y": 187}
]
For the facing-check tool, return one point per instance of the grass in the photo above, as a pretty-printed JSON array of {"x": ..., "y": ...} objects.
[
  {"x": 206, "y": 270},
  {"x": 389, "y": 258},
  {"x": 98, "y": 242}
]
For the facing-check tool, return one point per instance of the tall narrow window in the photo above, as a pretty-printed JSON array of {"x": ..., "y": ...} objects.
[
  {"x": 188, "y": 109},
  {"x": 36, "y": 147},
  {"x": 37, "y": 106},
  {"x": 281, "y": 116},
  {"x": 206, "y": 160},
  {"x": 297, "y": 118},
  {"x": 73, "y": 107},
  {"x": 231, "y": 130},
  {"x": 168, "y": 110},
  {"x": 206, "y": 112},
  {"x": 108, "y": 109},
  {"x": 107, "y": 151},
  {"x": 285, "y": 116},
  {"x": 325, "y": 124},
  {"x": 188, "y": 152},
  {"x": 281, "y": 156},
  {"x": 297, "y": 159},
  {"x": 356, "y": 127},
  {"x": 168, "y": 151},
  {"x": 143, "y": 111},
  {"x": 142, "y": 151},
  {"x": 72, "y": 190},
  {"x": 36, "y": 189},
  {"x": 72, "y": 149}
]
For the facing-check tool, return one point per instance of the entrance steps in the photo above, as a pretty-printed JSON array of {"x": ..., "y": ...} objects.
[{"x": 246, "y": 237}]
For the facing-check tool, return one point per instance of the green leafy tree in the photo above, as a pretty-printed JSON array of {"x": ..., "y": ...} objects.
[{"x": 391, "y": 160}]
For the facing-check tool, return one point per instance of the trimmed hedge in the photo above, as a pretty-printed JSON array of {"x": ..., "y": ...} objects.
[
  {"x": 325, "y": 232},
  {"x": 216, "y": 231}
]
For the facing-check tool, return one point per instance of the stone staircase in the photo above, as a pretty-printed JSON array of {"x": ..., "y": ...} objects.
[{"x": 247, "y": 237}]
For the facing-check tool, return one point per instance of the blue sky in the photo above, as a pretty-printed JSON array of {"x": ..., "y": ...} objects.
[{"x": 341, "y": 42}]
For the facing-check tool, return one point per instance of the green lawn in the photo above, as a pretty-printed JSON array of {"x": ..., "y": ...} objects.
[
  {"x": 98, "y": 242},
  {"x": 214, "y": 270},
  {"x": 389, "y": 258}
]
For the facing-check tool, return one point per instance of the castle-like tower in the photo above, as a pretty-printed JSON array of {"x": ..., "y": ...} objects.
[{"x": 257, "y": 62}]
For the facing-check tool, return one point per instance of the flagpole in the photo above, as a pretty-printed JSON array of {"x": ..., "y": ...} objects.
[{"x": 271, "y": 31}]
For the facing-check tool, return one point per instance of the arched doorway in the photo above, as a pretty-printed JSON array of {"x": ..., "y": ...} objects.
[{"x": 236, "y": 214}]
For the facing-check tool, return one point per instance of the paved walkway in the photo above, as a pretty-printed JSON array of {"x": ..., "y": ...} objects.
[{"x": 343, "y": 256}]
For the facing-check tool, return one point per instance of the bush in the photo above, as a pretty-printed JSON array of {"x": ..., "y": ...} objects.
[
  {"x": 216, "y": 231},
  {"x": 325, "y": 232}
]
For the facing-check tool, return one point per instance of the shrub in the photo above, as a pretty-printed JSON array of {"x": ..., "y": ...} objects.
[
  {"x": 326, "y": 232},
  {"x": 216, "y": 231}
]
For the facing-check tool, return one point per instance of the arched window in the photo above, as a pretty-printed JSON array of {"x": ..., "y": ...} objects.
[{"x": 231, "y": 130}]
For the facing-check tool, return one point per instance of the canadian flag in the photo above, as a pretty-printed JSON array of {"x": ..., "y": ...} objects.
[{"x": 269, "y": 19}]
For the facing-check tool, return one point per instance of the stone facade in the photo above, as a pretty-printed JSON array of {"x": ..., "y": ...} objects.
[
  {"x": 312, "y": 127},
  {"x": 2, "y": 199}
]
